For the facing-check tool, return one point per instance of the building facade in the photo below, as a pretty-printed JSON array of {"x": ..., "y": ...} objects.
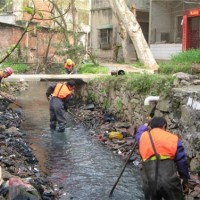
[
  {"x": 161, "y": 22},
  {"x": 105, "y": 30},
  {"x": 166, "y": 25}
]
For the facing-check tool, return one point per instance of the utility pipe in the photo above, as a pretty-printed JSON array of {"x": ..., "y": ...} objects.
[{"x": 149, "y": 99}]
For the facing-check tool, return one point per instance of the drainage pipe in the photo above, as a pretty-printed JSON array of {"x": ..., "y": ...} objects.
[{"x": 149, "y": 99}]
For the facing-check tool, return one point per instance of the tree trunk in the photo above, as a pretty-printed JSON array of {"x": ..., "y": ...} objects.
[
  {"x": 134, "y": 30},
  {"x": 123, "y": 35}
]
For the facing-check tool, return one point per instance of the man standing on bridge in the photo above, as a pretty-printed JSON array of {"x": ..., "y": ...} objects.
[
  {"x": 69, "y": 66},
  {"x": 59, "y": 95},
  {"x": 163, "y": 155}
]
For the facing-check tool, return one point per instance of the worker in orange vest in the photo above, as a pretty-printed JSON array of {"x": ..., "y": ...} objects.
[
  {"x": 69, "y": 66},
  {"x": 59, "y": 95},
  {"x": 162, "y": 156},
  {"x": 5, "y": 73}
]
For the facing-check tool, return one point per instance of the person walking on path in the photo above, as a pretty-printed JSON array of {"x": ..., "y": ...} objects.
[
  {"x": 163, "y": 155},
  {"x": 5, "y": 73},
  {"x": 59, "y": 95},
  {"x": 69, "y": 66}
]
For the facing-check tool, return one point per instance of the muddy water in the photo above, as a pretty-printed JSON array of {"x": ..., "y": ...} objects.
[{"x": 85, "y": 169}]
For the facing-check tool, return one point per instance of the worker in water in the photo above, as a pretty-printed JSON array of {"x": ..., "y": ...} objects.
[
  {"x": 69, "y": 66},
  {"x": 163, "y": 155},
  {"x": 59, "y": 95},
  {"x": 5, "y": 73}
]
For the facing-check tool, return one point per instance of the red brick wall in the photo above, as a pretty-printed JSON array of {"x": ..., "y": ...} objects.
[{"x": 36, "y": 44}]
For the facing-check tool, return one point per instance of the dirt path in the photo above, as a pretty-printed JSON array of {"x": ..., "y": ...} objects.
[{"x": 125, "y": 67}]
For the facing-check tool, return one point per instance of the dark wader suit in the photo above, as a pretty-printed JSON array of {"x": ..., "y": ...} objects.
[
  {"x": 58, "y": 106},
  {"x": 57, "y": 113},
  {"x": 168, "y": 183},
  {"x": 163, "y": 158}
]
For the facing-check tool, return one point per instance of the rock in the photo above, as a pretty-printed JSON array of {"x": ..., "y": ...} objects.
[
  {"x": 184, "y": 82},
  {"x": 194, "y": 164},
  {"x": 196, "y": 82},
  {"x": 122, "y": 125},
  {"x": 88, "y": 107},
  {"x": 195, "y": 68},
  {"x": 183, "y": 76},
  {"x": 6, "y": 175}
]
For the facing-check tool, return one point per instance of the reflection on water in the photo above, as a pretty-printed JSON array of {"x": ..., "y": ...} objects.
[{"x": 85, "y": 169}]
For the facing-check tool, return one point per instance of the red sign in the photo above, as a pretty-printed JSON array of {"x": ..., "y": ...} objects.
[{"x": 194, "y": 12}]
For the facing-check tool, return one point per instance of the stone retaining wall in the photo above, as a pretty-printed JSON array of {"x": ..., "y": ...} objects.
[{"x": 181, "y": 108}]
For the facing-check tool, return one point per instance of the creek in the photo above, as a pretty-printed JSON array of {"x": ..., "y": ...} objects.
[{"x": 74, "y": 161}]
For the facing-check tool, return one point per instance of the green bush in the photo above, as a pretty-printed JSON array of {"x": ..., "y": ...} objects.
[
  {"x": 17, "y": 68},
  {"x": 90, "y": 68},
  {"x": 197, "y": 170}
]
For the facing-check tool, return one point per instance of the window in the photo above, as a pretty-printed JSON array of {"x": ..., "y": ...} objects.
[
  {"x": 165, "y": 37},
  {"x": 105, "y": 38},
  {"x": 100, "y": 3}
]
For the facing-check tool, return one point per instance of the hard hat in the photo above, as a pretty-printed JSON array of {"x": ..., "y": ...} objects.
[
  {"x": 8, "y": 70},
  {"x": 69, "y": 61}
]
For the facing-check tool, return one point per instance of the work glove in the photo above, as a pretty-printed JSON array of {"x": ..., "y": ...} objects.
[{"x": 185, "y": 186}]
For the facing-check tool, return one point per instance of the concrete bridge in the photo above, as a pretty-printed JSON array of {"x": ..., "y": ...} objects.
[
  {"x": 52, "y": 77},
  {"x": 78, "y": 77}
]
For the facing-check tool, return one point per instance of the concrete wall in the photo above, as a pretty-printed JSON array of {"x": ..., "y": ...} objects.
[
  {"x": 160, "y": 21},
  {"x": 164, "y": 51},
  {"x": 140, "y": 5}
]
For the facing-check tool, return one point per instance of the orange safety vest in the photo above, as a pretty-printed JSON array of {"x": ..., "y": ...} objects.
[
  {"x": 70, "y": 67},
  {"x": 61, "y": 91},
  {"x": 165, "y": 144}
]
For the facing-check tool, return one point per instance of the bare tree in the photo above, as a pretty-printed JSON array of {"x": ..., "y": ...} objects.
[
  {"x": 121, "y": 10},
  {"x": 56, "y": 15},
  {"x": 26, "y": 29}
]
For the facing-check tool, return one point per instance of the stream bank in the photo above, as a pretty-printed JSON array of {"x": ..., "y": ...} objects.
[
  {"x": 180, "y": 107},
  {"x": 103, "y": 123},
  {"x": 20, "y": 177}
]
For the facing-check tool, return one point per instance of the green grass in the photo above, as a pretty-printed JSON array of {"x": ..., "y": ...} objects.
[
  {"x": 138, "y": 64},
  {"x": 180, "y": 62},
  {"x": 190, "y": 56},
  {"x": 90, "y": 68},
  {"x": 142, "y": 83},
  {"x": 17, "y": 68}
]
